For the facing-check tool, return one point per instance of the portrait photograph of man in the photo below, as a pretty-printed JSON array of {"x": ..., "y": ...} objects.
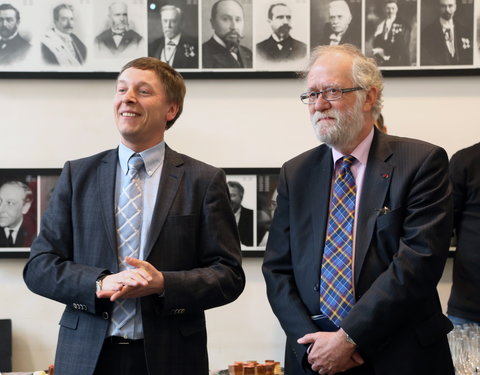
[
  {"x": 242, "y": 190},
  {"x": 18, "y": 211},
  {"x": 117, "y": 33},
  {"x": 280, "y": 34},
  {"x": 14, "y": 45},
  {"x": 391, "y": 41},
  {"x": 334, "y": 22},
  {"x": 173, "y": 33},
  {"x": 227, "y": 34},
  {"x": 446, "y": 36},
  {"x": 63, "y": 44}
]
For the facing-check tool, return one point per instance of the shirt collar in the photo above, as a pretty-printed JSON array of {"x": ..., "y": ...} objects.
[
  {"x": 446, "y": 24},
  {"x": 10, "y": 37},
  {"x": 360, "y": 152},
  {"x": 175, "y": 39},
  {"x": 152, "y": 157}
]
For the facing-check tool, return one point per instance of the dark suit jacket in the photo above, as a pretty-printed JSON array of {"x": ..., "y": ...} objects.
[
  {"x": 292, "y": 49},
  {"x": 464, "y": 300},
  {"x": 105, "y": 39},
  {"x": 397, "y": 320},
  {"x": 245, "y": 226},
  {"x": 396, "y": 45},
  {"x": 193, "y": 241},
  {"x": 13, "y": 50},
  {"x": 50, "y": 58},
  {"x": 434, "y": 50},
  {"x": 350, "y": 36},
  {"x": 217, "y": 56},
  {"x": 186, "y": 54}
]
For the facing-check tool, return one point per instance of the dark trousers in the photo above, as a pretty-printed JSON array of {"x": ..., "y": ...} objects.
[{"x": 122, "y": 357}]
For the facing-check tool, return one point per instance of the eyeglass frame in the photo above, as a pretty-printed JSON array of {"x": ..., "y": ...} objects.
[{"x": 321, "y": 92}]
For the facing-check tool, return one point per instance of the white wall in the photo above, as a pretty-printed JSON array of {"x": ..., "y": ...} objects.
[{"x": 228, "y": 123}]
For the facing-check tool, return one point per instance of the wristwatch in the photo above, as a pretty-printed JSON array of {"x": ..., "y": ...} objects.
[
  {"x": 349, "y": 339},
  {"x": 99, "y": 282}
]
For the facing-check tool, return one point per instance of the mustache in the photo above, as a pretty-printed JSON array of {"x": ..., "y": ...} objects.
[
  {"x": 285, "y": 28},
  {"x": 322, "y": 115}
]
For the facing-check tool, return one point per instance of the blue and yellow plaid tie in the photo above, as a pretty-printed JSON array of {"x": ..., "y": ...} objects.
[{"x": 336, "y": 287}]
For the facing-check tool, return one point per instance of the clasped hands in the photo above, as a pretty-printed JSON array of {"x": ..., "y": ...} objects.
[
  {"x": 329, "y": 352},
  {"x": 142, "y": 280}
]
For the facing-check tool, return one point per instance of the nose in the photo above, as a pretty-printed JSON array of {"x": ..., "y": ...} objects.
[
  {"x": 129, "y": 97},
  {"x": 321, "y": 104}
]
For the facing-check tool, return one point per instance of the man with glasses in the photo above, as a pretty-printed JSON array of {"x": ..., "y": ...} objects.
[{"x": 360, "y": 235}]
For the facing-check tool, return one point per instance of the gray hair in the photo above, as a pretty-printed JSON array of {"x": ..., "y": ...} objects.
[{"x": 365, "y": 71}]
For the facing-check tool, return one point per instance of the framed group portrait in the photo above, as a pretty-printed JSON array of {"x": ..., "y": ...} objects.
[
  {"x": 234, "y": 38},
  {"x": 25, "y": 194}
]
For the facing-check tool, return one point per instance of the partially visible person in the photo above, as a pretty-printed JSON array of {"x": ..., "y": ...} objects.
[
  {"x": 360, "y": 236},
  {"x": 119, "y": 37},
  {"x": 17, "y": 228},
  {"x": 175, "y": 47},
  {"x": 224, "y": 48},
  {"x": 391, "y": 43},
  {"x": 13, "y": 47},
  {"x": 280, "y": 46},
  {"x": 380, "y": 124},
  {"x": 464, "y": 301},
  {"x": 60, "y": 45},
  {"x": 243, "y": 215},
  {"x": 337, "y": 30},
  {"x": 264, "y": 219},
  {"x": 446, "y": 41},
  {"x": 137, "y": 242}
]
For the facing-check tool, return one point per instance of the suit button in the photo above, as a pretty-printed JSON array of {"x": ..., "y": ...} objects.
[
  {"x": 316, "y": 288},
  {"x": 105, "y": 315}
]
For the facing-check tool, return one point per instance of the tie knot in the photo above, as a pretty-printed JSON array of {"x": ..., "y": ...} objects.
[
  {"x": 347, "y": 161},
  {"x": 135, "y": 163},
  {"x": 171, "y": 43}
]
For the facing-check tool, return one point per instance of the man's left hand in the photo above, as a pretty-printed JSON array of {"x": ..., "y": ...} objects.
[{"x": 330, "y": 353}]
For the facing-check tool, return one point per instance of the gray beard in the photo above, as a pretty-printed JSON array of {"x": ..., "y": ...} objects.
[{"x": 342, "y": 132}]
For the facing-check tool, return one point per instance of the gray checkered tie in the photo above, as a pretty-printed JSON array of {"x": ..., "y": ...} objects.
[{"x": 129, "y": 223}]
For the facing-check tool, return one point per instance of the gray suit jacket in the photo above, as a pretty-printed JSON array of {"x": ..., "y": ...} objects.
[
  {"x": 193, "y": 241},
  {"x": 400, "y": 253}
]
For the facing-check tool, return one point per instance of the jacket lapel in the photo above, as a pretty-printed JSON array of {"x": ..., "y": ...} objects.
[
  {"x": 172, "y": 173},
  {"x": 106, "y": 176},
  {"x": 319, "y": 195},
  {"x": 376, "y": 182}
]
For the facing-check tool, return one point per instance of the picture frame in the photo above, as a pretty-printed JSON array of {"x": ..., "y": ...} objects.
[
  {"x": 30, "y": 190},
  {"x": 95, "y": 53},
  {"x": 27, "y": 194}
]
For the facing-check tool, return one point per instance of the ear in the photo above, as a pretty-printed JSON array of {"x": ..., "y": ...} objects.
[
  {"x": 370, "y": 99},
  {"x": 26, "y": 207},
  {"x": 172, "y": 112}
]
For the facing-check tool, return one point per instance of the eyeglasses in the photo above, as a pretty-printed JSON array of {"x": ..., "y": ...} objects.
[{"x": 330, "y": 94}]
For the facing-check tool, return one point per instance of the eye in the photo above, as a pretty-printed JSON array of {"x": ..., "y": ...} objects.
[{"x": 332, "y": 91}]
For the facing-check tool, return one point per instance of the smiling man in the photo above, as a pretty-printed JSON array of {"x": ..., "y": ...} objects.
[
  {"x": 138, "y": 242},
  {"x": 360, "y": 235}
]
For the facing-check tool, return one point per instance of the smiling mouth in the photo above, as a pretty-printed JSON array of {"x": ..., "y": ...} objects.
[{"x": 129, "y": 114}]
